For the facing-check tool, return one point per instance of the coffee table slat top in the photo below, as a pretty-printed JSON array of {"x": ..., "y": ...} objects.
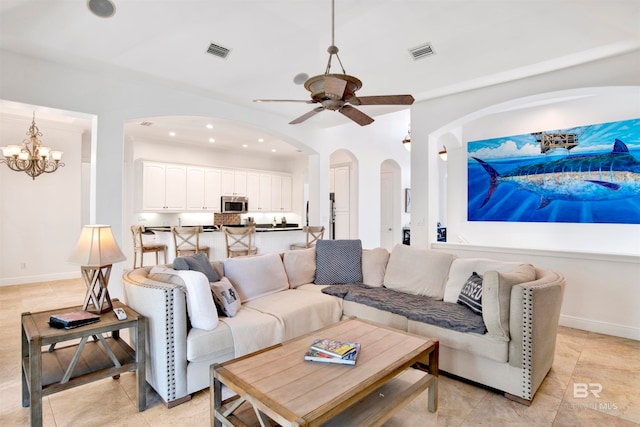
[{"x": 279, "y": 380}]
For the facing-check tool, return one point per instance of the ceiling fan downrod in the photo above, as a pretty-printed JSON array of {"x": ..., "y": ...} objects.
[{"x": 333, "y": 49}]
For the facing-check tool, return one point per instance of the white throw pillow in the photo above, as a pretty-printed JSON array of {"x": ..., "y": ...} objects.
[
  {"x": 256, "y": 276},
  {"x": 200, "y": 306},
  {"x": 462, "y": 268},
  {"x": 418, "y": 271},
  {"x": 374, "y": 265},
  {"x": 300, "y": 266}
]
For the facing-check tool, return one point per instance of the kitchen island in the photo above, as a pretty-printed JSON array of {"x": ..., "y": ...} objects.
[{"x": 268, "y": 239}]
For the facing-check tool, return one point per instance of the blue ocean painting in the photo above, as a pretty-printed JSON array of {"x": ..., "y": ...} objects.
[{"x": 586, "y": 174}]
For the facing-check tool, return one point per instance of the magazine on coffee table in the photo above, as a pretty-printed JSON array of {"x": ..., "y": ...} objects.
[
  {"x": 333, "y": 347},
  {"x": 318, "y": 356}
]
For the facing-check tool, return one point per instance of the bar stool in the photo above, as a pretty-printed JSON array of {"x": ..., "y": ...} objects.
[
  {"x": 314, "y": 233},
  {"x": 239, "y": 240},
  {"x": 141, "y": 247},
  {"x": 186, "y": 241}
]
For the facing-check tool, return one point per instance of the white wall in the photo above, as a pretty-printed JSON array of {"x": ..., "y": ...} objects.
[
  {"x": 600, "y": 261},
  {"x": 36, "y": 236}
]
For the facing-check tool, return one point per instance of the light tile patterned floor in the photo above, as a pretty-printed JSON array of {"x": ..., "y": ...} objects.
[{"x": 581, "y": 357}]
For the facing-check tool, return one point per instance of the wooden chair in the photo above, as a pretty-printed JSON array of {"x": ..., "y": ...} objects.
[
  {"x": 186, "y": 241},
  {"x": 239, "y": 241},
  {"x": 139, "y": 247},
  {"x": 314, "y": 233}
]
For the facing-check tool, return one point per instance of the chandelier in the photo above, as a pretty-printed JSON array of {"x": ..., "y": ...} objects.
[{"x": 32, "y": 158}]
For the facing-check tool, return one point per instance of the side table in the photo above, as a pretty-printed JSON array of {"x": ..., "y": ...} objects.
[{"x": 43, "y": 372}]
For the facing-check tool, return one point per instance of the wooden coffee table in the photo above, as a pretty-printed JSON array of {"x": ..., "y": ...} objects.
[{"x": 277, "y": 384}]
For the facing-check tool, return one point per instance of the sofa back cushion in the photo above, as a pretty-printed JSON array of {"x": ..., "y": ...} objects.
[
  {"x": 374, "y": 266},
  {"x": 256, "y": 276},
  {"x": 418, "y": 271},
  {"x": 462, "y": 268},
  {"x": 338, "y": 261},
  {"x": 300, "y": 266},
  {"x": 496, "y": 298}
]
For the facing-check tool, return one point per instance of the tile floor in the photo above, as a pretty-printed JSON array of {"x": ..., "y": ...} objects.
[{"x": 581, "y": 357}]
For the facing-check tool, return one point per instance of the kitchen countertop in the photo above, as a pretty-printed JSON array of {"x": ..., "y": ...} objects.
[{"x": 260, "y": 228}]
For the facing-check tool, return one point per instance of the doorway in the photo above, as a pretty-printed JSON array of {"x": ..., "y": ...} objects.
[{"x": 390, "y": 204}]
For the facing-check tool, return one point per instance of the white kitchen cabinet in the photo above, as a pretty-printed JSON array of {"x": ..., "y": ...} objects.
[
  {"x": 259, "y": 191},
  {"x": 281, "y": 188},
  {"x": 163, "y": 187},
  {"x": 203, "y": 189},
  {"x": 234, "y": 183}
]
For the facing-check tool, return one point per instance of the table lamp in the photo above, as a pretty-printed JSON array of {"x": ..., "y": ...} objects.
[{"x": 96, "y": 251}]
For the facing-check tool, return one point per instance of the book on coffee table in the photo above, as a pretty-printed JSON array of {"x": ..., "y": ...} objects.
[
  {"x": 72, "y": 319},
  {"x": 318, "y": 356},
  {"x": 334, "y": 348}
]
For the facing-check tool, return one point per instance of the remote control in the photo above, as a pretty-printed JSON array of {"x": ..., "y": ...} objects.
[{"x": 120, "y": 314}]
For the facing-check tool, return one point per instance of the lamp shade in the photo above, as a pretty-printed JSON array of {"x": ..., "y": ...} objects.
[{"x": 96, "y": 247}]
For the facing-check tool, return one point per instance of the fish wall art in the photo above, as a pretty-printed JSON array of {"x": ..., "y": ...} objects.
[{"x": 586, "y": 174}]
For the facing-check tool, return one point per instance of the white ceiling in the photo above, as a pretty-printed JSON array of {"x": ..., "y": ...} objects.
[{"x": 477, "y": 43}]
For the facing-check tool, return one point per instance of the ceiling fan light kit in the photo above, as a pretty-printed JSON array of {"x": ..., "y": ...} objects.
[{"x": 337, "y": 92}]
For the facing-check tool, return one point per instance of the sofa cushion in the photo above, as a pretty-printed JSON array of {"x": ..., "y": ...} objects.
[
  {"x": 471, "y": 293},
  {"x": 256, "y": 276},
  {"x": 300, "y": 266},
  {"x": 374, "y": 265},
  {"x": 461, "y": 269},
  {"x": 338, "y": 261},
  {"x": 200, "y": 306},
  {"x": 299, "y": 312},
  {"x": 418, "y": 271},
  {"x": 197, "y": 262},
  {"x": 225, "y": 297},
  {"x": 496, "y": 298}
]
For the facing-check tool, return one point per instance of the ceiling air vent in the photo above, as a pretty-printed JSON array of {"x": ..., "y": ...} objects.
[
  {"x": 422, "y": 51},
  {"x": 217, "y": 50},
  {"x": 146, "y": 123}
]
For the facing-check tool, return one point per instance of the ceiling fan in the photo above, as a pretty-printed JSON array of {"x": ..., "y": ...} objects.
[{"x": 337, "y": 91}]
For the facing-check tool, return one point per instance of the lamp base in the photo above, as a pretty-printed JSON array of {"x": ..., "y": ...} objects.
[{"x": 97, "y": 279}]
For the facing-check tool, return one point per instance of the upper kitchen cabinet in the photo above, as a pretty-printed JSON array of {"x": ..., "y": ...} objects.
[
  {"x": 234, "y": 183},
  {"x": 163, "y": 187},
  {"x": 281, "y": 188},
  {"x": 203, "y": 189},
  {"x": 259, "y": 191}
]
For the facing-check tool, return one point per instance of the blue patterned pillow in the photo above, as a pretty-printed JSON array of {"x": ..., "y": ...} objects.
[
  {"x": 471, "y": 293},
  {"x": 338, "y": 261}
]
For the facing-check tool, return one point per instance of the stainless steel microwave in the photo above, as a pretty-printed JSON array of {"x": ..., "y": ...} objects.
[{"x": 234, "y": 204}]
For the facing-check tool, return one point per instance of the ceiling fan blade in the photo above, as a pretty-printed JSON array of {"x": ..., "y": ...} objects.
[
  {"x": 382, "y": 100},
  {"x": 334, "y": 87},
  {"x": 305, "y": 116},
  {"x": 285, "y": 100},
  {"x": 356, "y": 115}
]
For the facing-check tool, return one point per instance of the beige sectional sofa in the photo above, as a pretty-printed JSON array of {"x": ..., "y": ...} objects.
[{"x": 277, "y": 299}]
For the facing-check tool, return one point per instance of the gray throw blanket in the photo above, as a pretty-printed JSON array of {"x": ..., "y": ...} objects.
[{"x": 414, "y": 307}]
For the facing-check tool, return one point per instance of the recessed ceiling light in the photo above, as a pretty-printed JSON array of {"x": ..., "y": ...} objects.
[
  {"x": 212, "y": 140},
  {"x": 260, "y": 139},
  {"x": 172, "y": 134},
  {"x": 273, "y": 150},
  {"x": 244, "y": 145},
  {"x": 209, "y": 126}
]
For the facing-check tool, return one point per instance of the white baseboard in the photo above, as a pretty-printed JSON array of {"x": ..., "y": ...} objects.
[
  {"x": 7, "y": 281},
  {"x": 597, "y": 326}
]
